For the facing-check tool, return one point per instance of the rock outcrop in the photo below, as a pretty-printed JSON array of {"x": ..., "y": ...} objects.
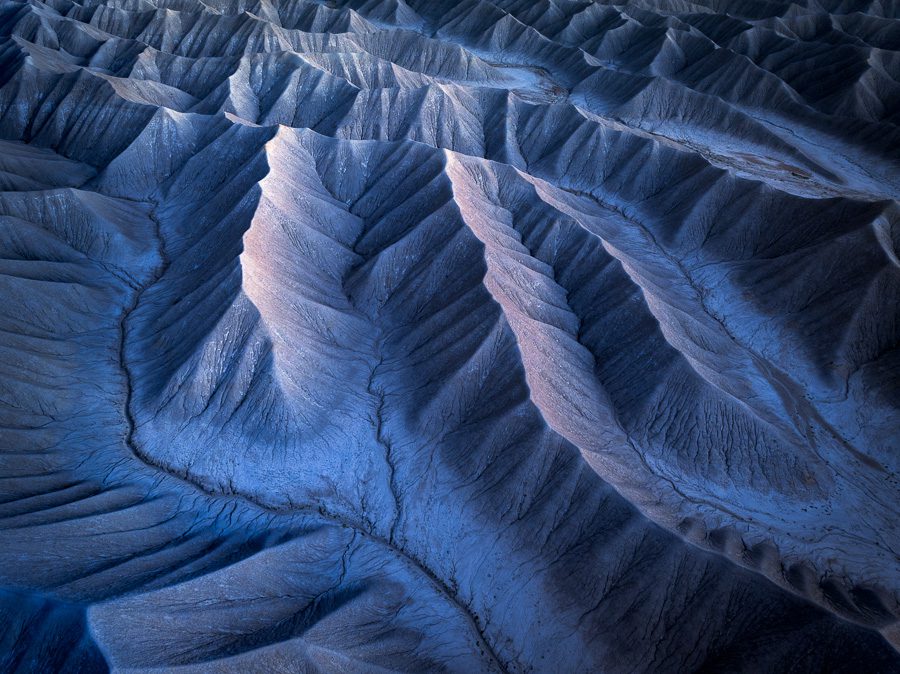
[{"x": 464, "y": 336}]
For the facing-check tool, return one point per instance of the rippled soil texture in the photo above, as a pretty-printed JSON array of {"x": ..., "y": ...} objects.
[{"x": 508, "y": 336}]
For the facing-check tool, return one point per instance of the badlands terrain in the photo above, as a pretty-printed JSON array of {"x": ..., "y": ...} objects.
[{"x": 470, "y": 336}]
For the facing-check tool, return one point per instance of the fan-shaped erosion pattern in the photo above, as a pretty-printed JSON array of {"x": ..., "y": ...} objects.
[{"x": 502, "y": 336}]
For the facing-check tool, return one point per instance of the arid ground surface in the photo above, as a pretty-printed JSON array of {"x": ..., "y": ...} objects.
[{"x": 511, "y": 336}]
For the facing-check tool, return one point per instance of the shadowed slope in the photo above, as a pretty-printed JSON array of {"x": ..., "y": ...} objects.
[{"x": 485, "y": 337}]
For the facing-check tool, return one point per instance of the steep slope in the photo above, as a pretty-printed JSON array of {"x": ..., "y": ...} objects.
[{"x": 482, "y": 336}]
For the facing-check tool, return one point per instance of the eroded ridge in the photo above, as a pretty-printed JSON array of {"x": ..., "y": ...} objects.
[{"x": 466, "y": 336}]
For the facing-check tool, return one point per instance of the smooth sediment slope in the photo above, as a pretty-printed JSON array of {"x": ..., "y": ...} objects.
[{"x": 463, "y": 336}]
